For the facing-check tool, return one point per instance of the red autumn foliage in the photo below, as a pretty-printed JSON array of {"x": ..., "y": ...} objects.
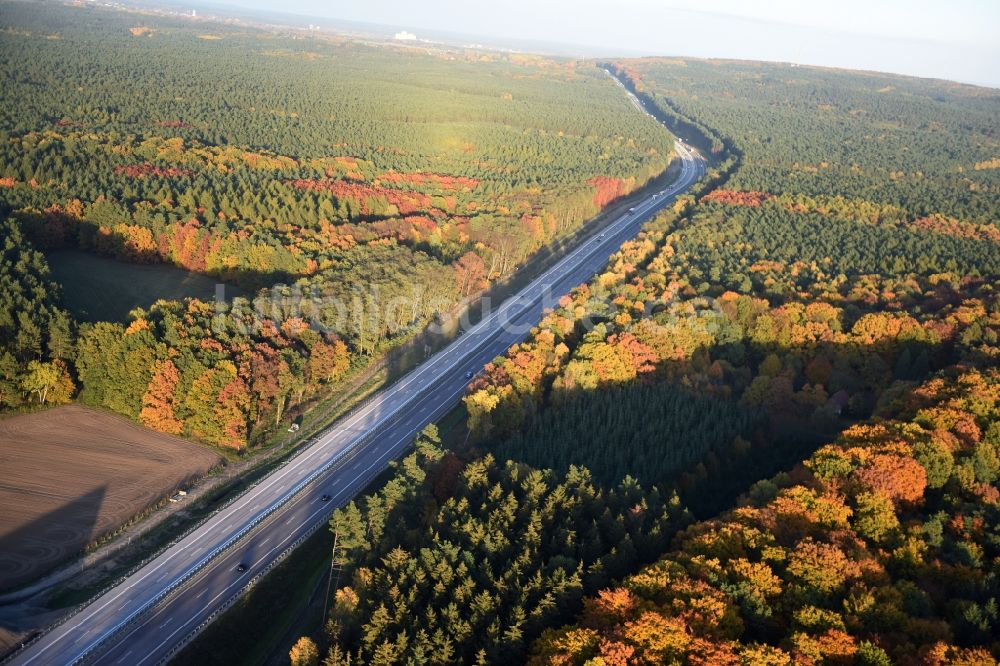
[
  {"x": 411, "y": 227},
  {"x": 146, "y": 170},
  {"x": 160, "y": 400},
  {"x": 470, "y": 273},
  {"x": 616, "y": 653},
  {"x": 406, "y": 203},
  {"x": 607, "y": 189},
  {"x": 450, "y": 183},
  {"x": 233, "y": 402},
  {"x": 188, "y": 245},
  {"x": 802, "y": 541},
  {"x": 901, "y": 479},
  {"x": 950, "y": 227},
  {"x": 642, "y": 355},
  {"x": 262, "y": 368},
  {"x": 327, "y": 362},
  {"x": 420, "y": 222},
  {"x": 734, "y": 198}
]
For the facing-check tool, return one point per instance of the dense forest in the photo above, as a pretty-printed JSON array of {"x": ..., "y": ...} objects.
[
  {"x": 927, "y": 147},
  {"x": 813, "y": 338},
  {"x": 880, "y": 548},
  {"x": 256, "y": 156},
  {"x": 768, "y": 432},
  {"x": 341, "y": 176},
  {"x": 36, "y": 338},
  {"x": 462, "y": 559},
  {"x": 809, "y": 307}
]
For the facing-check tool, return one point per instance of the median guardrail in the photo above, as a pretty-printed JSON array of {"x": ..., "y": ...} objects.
[{"x": 342, "y": 456}]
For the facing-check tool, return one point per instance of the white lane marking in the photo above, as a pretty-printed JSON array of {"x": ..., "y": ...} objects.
[
  {"x": 554, "y": 274},
  {"x": 380, "y": 460}
]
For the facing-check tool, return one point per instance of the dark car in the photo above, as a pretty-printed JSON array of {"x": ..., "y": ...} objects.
[
  {"x": 241, "y": 567},
  {"x": 469, "y": 374},
  {"x": 324, "y": 498}
]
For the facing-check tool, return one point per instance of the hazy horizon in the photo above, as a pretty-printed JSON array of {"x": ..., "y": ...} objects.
[{"x": 960, "y": 41}]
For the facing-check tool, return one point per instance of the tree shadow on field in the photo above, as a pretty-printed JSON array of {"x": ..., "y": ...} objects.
[{"x": 39, "y": 545}]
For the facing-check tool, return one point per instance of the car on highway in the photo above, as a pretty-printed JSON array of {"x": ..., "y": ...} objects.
[
  {"x": 376, "y": 432},
  {"x": 324, "y": 498}
]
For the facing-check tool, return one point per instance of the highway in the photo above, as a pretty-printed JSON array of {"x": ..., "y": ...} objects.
[{"x": 146, "y": 617}]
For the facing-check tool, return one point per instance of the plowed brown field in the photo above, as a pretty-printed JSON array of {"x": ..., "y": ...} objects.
[{"x": 70, "y": 474}]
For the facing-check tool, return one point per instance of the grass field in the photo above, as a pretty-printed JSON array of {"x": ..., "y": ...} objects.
[
  {"x": 100, "y": 289},
  {"x": 72, "y": 474}
]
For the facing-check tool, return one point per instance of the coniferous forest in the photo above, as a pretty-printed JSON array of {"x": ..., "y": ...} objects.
[
  {"x": 335, "y": 175},
  {"x": 803, "y": 356},
  {"x": 767, "y": 432}
]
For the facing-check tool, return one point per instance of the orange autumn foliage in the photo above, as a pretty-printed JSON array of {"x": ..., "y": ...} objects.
[
  {"x": 802, "y": 556},
  {"x": 898, "y": 477},
  {"x": 737, "y": 198},
  {"x": 607, "y": 189},
  {"x": 146, "y": 170},
  {"x": 424, "y": 179},
  {"x": 406, "y": 202},
  {"x": 159, "y": 402}
]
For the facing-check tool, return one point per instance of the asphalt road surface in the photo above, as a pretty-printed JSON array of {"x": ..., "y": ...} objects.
[{"x": 143, "y": 619}]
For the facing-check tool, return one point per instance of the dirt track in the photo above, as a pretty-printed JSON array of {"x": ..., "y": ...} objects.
[{"x": 72, "y": 474}]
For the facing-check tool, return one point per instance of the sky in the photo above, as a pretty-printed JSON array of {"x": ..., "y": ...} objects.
[{"x": 952, "y": 39}]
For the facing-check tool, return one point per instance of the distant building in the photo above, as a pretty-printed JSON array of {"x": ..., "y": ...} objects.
[{"x": 405, "y": 36}]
